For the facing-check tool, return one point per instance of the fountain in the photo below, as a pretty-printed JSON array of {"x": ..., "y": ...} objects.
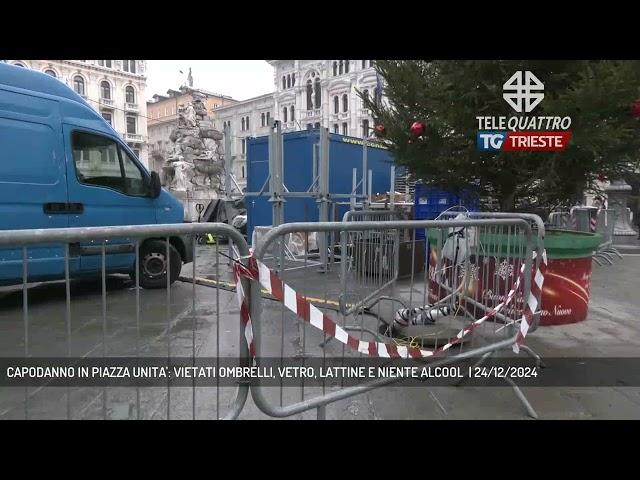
[{"x": 193, "y": 171}]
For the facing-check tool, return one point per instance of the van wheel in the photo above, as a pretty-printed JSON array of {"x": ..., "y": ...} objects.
[{"x": 153, "y": 264}]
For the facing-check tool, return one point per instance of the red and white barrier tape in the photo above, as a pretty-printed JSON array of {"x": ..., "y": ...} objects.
[{"x": 311, "y": 314}]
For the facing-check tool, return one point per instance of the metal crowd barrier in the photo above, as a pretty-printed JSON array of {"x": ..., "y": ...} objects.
[
  {"x": 368, "y": 259},
  {"x": 131, "y": 322},
  {"x": 538, "y": 230},
  {"x": 591, "y": 220},
  {"x": 560, "y": 220},
  {"x": 474, "y": 265},
  {"x": 606, "y": 220}
]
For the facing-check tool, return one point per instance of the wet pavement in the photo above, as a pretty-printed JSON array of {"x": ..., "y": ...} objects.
[{"x": 201, "y": 320}]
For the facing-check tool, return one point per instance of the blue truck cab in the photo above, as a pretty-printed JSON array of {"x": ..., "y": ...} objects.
[{"x": 62, "y": 165}]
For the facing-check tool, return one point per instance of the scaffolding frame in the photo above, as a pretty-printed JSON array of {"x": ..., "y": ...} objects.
[{"x": 319, "y": 189}]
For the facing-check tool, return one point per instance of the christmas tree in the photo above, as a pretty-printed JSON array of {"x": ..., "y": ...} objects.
[{"x": 429, "y": 120}]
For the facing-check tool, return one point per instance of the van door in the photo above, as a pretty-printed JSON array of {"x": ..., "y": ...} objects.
[
  {"x": 113, "y": 189},
  {"x": 33, "y": 190}
]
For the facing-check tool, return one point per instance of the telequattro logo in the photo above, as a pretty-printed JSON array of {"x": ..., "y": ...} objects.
[
  {"x": 522, "y": 141},
  {"x": 523, "y": 91}
]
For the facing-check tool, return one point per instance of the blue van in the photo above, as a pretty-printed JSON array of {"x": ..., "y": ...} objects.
[{"x": 62, "y": 165}]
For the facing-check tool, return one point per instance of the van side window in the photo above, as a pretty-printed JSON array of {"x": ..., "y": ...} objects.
[
  {"x": 133, "y": 178},
  {"x": 101, "y": 162}
]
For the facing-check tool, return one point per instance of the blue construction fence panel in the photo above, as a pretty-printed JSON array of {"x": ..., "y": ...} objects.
[
  {"x": 429, "y": 202},
  {"x": 345, "y": 154}
]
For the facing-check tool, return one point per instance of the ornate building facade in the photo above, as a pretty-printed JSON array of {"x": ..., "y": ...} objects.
[
  {"x": 308, "y": 94},
  {"x": 114, "y": 88}
]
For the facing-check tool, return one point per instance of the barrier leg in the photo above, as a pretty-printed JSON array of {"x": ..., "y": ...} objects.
[
  {"x": 534, "y": 355},
  {"x": 321, "y": 412},
  {"x": 523, "y": 399},
  {"x": 475, "y": 365}
]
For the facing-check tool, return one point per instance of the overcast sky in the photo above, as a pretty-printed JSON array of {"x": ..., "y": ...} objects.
[{"x": 240, "y": 79}]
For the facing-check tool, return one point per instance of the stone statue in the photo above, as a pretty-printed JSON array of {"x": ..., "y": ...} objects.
[
  {"x": 181, "y": 175},
  {"x": 190, "y": 116}
]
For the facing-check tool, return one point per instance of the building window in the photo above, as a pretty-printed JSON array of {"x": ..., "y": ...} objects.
[
  {"x": 105, "y": 90},
  {"x": 284, "y": 82},
  {"x": 335, "y": 68},
  {"x": 365, "y": 128},
  {"x": 284, "y": 114},
  {"x": 107, "y": 116},
  {"x": 244, "y": 145},
  {"x": 293, "y": 114},
  {"x": 247, "y": 123},
  {"x": 288, "y": 81},
  {"x": 345, "y": 130},
  {"x": 293, "y": 79},
  {"x": 262, "y": 119},
  {"x": 365, "y": 96},
  {"x": 107, "y": 63},
  {"x": 336, "y": 104},
  {"x": 136, "y": 152},
  {"x": 336, "y": 128},
  {"x": 345, "y": 102},
  {"x": 317, "y": 125},
  {"x": 268, "y": 118},
  {"x": 129, "y": 66},
  {"x": 346, "y": 66},
  {"x": 242, "y": 124},
  {"x": 364, "y": 64},
  {"x": 309, "y": 126},
  {"x": 309, "y": 95},
  {"x": 51, "y": 72},
  {"x": 243, "y": 171},
  {"x": 131, "y": 124},
  {"x": 130, "y": 94},
  {"x": 318, "y": 99},
  {"x": 101, "y": 63},
  {"x": 78, "y": 85},
  {"x": 341, "y": 67}
]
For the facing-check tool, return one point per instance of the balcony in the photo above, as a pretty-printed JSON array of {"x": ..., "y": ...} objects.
[
  {"x": 106, "y": 102},
  {"x": 131, "y": 107},
  {"x": 312, "y": 113},
  {"x": 132, "y": 137}
]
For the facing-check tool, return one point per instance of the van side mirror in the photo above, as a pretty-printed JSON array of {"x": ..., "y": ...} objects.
[{"x": 155, "y": 186}]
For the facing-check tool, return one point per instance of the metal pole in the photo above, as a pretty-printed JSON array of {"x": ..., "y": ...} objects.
[
  {"x": 369, "y": 184},
  {"x": 275, "y": 174},
  {"x": 354, "y": 186},
  {"x": 228, "y": 162},
  {"x": 392, "y": 191},
  {"x": 365, "y": 167},
  {"x": 323, "y": 195}
]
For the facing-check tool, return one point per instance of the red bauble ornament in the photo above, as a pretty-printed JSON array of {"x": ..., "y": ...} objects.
[
  {"x": 379, "y": 130},
  {"x": 635, "y": 109},
  {"x": 417, "y": 129}
]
